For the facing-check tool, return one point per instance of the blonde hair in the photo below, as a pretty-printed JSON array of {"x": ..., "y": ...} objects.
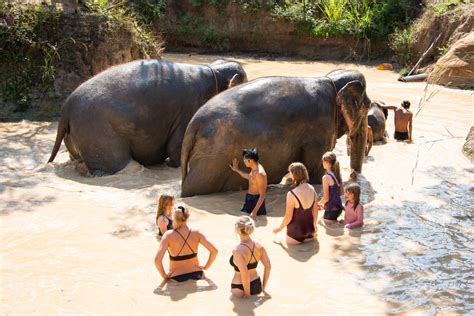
[
  {"x": 180, "y": 216},
  {"x": 163, "y": 202},
  {"x": 245, "y": 225},
  {"x": 331, "y": 158},
  {"x": 299, "y": 173}
]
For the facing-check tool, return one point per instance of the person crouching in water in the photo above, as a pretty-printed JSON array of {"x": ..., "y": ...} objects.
[
  {"x": 332, "y": 189},
  {"x": 164, "y": 219},
  {"x": 301, "y": 208},
  {"x": 182, "y": 245},
  {"x": 245, "y": 258},
  {"x": 255, "y": 197},
  {"x": 354, "y": 210}
]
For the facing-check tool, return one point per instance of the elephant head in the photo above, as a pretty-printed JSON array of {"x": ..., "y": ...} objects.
[
  {"x": 228, "y": 74},
  {"x": 353, "y": 103}
]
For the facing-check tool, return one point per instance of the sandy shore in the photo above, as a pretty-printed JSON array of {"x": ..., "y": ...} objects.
[{"x": 73, "y": 244}]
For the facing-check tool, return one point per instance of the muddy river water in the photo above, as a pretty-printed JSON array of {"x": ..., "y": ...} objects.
[{"x": 74, "y": 244}]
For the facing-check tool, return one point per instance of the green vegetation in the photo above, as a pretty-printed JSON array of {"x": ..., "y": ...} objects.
[
  {"x": 401, "y": 41},
  {"x": 34, "y": 45},
  {"x": 447, "y": 5}
]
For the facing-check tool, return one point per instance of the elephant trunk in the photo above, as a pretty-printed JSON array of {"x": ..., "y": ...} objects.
[{"x": 358, "y": 143}]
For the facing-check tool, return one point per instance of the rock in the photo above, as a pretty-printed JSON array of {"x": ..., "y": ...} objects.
[
  {"x": 468, "y": 148},
  {"x": 456, "y": 68}
]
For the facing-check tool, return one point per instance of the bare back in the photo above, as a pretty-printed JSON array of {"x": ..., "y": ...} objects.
[
  {"x": 403, "y": 118},
  {"x": 306, "y": 194}
]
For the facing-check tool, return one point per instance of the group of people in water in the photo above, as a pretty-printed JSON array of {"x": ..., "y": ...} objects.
[{"x": 300, "y": 219}]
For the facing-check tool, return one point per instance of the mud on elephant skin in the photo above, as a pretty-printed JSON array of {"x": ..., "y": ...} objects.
[
  {"x": 287, "y": 118},
  {"x": 138, "y": 110}
]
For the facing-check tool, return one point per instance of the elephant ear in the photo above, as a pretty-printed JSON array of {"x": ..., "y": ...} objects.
[{"x": 351, "y": 100}]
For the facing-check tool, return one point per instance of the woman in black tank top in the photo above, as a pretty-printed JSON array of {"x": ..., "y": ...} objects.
[
  {"x": 245, "y": 258},
  {"x": 299, "y": 220},
  {"x": 182, "y": 243}
]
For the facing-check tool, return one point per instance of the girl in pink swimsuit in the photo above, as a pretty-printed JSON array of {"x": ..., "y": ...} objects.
[{"x": 354, "y": 210}]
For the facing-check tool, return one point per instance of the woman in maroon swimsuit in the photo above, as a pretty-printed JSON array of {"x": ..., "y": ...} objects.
[{"x": 301, "y": 208}]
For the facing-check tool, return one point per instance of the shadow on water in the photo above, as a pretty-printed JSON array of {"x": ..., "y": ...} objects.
[
  {"x": 422, "y": 249},
  {"x": 247, "y": 306},
  {"x": 178, "y": 291},
  {"x": 23, "y": 148}
]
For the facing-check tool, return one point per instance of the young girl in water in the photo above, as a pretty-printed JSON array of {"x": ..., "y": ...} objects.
[
  {"x": 164, "y": 220},
  {"x": 332, "y": 189},
  {"x": 354, "y": 210}
]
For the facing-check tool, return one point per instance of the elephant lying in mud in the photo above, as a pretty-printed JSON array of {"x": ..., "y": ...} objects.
[
  {"x": 138, "y": 110},
  {"x": 288, "y": 118}
]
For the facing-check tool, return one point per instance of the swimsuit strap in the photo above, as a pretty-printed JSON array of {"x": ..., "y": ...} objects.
[
  {"x": 251, "y": 252},
  {"x": 301, "y": 205},
  {"x": 185, "y": 242},
  {"x": 333, "y": 178}
]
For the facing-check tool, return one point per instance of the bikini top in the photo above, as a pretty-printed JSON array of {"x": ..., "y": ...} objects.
[
  {"x": 250, "y": 266},
  {"x": 168, "y": 227},
  {"x": 184, "y": 257}
]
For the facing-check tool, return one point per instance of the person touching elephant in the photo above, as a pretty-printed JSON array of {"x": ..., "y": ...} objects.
[
  {"x": 288, "y": 118},
  {"x": 138, "y": 111}
]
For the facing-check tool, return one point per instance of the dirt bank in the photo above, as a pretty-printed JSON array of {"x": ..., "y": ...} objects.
[{"x": 71, "y": 244}]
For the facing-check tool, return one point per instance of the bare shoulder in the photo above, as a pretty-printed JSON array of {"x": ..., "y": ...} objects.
[
  {"x": 261, "y": 171},
  {"x": 259, "y": 246},
  {"x": 167, "y": 235}
]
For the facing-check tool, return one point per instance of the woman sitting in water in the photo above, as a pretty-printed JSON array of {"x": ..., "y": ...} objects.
[
  {"x": 245, "y": 258},
  {"x": 164, "y": 220},
  {"x": 301, "y": 209},
  {"x": 182, "y": 245},
  {"x": 332, "y": 189}
]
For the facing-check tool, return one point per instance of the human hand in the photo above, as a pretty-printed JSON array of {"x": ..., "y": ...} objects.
[
  {"x": 235, "y": 164},
  {"x": 348, "y": 226},
  {"x": 253, "y": 215},
  {"x": 277, "y": 230}
]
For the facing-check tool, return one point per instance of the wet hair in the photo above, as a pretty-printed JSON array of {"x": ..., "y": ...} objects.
[
  {"x": 245, "y": 225},
  {"x": 250, "y": 153},
  {"x": 299, "y": 173},
  {"x": 180, "y": 216},
  {"x": 163, "y": 202},
  {"x": 331, "y": 158},
  {"x": 354, "y": 188},
  {"x": 406, "y": 104}
]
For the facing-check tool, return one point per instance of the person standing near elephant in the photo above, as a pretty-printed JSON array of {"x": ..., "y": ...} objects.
[
  {"x": 301, "y": 208},
  {"x": 255, "y": 197},
  {"x": 333, "y": 188},
  {"x": 403, "y": 121}
]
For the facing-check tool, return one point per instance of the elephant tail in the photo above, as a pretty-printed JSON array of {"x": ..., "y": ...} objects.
[{"x": 63, "y": 127}]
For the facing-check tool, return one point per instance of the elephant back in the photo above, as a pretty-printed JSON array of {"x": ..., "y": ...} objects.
[{"x": 341, "y": 77}]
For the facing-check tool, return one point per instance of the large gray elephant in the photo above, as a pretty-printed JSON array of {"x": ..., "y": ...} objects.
[
  {"x": 138, "y": 110},
  {"x": 287, "y": 118}
]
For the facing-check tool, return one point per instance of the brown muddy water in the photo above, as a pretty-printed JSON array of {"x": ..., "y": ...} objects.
[{"x": 74, "y": 244}]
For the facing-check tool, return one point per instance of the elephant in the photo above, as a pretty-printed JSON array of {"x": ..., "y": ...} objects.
[
  {"x": 287, "y": 118},
  {"x": 138, "y": 110},
  {"x": 377, "y": 116}
]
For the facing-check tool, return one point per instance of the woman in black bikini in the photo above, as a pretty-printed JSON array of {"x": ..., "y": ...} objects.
[
  {"x": 301, "y": 208},
  {"x": 164, "y": 220},
  {"x": 245, "y": 258},
  {"x": 182, "y": 245}
]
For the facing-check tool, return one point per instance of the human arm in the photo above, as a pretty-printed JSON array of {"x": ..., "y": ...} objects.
[
  {"x": 388, "y": 107},
  {"x": 162, "y": 224},
  {"x": 359, "y": 221},
  {"x": 315, "y": 213},
  {"x": 325, "y": 197},
  {"x": 244, "y": 272},
  {"x": 159, "y": 257},
  {"x": 370, "y": 140},
  {"x": 267, "y": 266},
  {"x": 262, "y": 189},
  {"x": 290, "y": 203},
  {"x": 211, "y": 248},
  {"x": 410, "y": 128},
  {"x": 235, "y": 167}
]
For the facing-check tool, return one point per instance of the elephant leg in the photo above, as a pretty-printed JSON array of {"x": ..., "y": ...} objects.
[
  {"x": 105, "y": 155},
  {"x": 173, "y": 147},
  {"x": 72, "y": 150},
  {"x": 311, "y": 158}
]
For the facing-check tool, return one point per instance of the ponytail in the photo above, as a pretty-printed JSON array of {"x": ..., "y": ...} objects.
[
  {"x": 331, "y": 158},
  {"x": 180, "y": 216}
]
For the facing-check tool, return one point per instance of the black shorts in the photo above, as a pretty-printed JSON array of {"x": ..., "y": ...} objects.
[
  {"x": 255, "y": 286},
  {"x": 332, "y": 215},
  {"x": 196, "y": 275},
  {"x": 250, "y": 202},
  {"x": 401, "y": 135}
]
